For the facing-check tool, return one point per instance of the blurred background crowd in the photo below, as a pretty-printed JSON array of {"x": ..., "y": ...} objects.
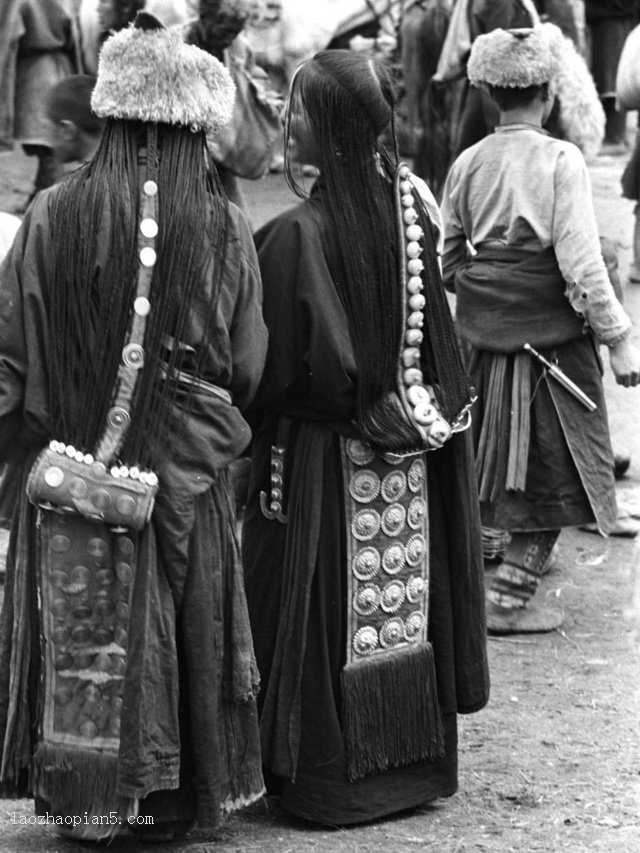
[{"x": 427, "y": 43}]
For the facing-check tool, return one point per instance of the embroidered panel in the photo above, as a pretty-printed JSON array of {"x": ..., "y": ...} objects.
[
  {"x": 86, "y": 581},
  {"x": 388, "y": 549}
]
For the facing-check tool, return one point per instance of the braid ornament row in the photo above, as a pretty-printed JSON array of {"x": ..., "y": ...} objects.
[{"x": 419, "y": 399}]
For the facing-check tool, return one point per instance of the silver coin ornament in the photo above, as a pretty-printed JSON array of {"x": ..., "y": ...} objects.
[
  {"x": 364, "y": 486},
  {"x": 422, "y": 403},
  {"x": 366, "y": 563}
]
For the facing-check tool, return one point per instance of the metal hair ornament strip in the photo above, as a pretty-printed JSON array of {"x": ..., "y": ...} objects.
[
  {"x": 118, "y": 417},
  {"x": 419, "y": 399},
  {"x": 64, "y": 478}
]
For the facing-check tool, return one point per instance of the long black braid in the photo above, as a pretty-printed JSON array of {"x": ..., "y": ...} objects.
[
  {"x": 92, "y": 286},
  {"x": 347, "y": 99}
]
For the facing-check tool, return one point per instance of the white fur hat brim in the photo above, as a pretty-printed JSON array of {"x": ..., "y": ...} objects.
[
  {"x": 512, "y": 59},
  {"x": 147, "y": 73}
]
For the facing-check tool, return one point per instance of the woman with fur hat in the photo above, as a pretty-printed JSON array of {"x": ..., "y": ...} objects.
[
  {"x": 523, "y": 256},
  {"x": 361, "y": 539},
  {"x": 131, "y": 341}
]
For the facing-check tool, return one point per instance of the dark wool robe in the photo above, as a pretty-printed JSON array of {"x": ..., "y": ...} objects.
[
  {"x": 310, "y": 379},
  {"x": 189, "y": 743}
]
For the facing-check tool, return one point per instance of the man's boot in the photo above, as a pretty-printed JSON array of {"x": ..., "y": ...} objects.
[{"x": 509, "y": 610}]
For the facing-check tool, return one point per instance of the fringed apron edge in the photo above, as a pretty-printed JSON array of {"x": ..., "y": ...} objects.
[{"x": 391, "y": 715}]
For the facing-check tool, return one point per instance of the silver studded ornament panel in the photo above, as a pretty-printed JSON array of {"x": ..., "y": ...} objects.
[
  {"x": 86, "y": 580},
  {"x": 388, "y": 550}
]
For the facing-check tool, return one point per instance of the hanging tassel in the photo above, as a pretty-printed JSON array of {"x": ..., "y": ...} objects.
[
  {"x": 520, "y": 427},
  {"x": 491, "y": 433},
  {"x": 391, "y": 716},
  {"x": 81, "y": 784}
]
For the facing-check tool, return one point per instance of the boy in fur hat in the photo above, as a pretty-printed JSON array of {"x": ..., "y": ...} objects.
[
  {"x": 131, "y": 340},
  {"x": 522, "y": 201}
]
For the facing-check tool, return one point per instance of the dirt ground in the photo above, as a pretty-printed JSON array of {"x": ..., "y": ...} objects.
[{"x": 553, "y": 762}]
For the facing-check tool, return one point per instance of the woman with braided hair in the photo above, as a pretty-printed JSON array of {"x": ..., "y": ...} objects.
[
  {"x": 361, "y": 546},
  {"x": 131, "y": 340}
]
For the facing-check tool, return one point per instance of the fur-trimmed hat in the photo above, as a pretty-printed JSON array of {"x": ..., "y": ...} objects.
[
  {"x": 147, "y": 73},
  {"x": 512, "y": 59}
]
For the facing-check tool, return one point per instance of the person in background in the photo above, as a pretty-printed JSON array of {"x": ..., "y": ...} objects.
[
  {"x": 631, "y": 189},
  {"x": 115, "y": 15},
  {"x": 76, "y": 135},
  {"x": 479, "y": 115},
  {"x": 36, "y": 50},
  {"x": 77, "y": 129},
  {"x": 216, "y": 26},
  {"x": 621, "y": 457},
  {"x": 609, "y": 22},
  {"x": 131, "y": 340},
  {"x": 219, "y": 29},
  {"x": 9, "y": 225},
  {"x": 568, "y": 15},
  {"x": 369, "y": 631},
  {"x": 522, "y": 200}
]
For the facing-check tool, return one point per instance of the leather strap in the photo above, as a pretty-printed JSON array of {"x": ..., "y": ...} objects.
[{"x": 119, "y": 415}]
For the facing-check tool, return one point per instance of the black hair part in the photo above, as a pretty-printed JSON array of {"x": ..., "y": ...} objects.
[{"x": 510, "y": 98}]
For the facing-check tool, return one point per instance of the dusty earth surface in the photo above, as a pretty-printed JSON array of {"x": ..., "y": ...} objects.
[{"x": 553, "y": 762}]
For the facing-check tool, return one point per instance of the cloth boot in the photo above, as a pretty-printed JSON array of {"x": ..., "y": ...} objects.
[
  {"x": 494, "y": 544},
  {"x": 515, "y": 582}
]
